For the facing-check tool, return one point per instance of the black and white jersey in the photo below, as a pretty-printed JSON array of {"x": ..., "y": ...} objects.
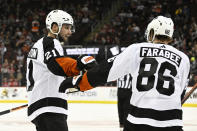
[
  {"x": 159, "y": 76},
  {"x": 124, "y": 82},
  {"x": 46, "y": 69}
]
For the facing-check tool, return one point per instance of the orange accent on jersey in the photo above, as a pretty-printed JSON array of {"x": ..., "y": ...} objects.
[
  {"x": 88, "y": 59},
  {"x": 84, "y": 85},
  {"x": 69, "y": 65}
]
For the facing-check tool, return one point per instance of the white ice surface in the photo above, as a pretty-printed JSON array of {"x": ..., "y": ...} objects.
[{"x": 83, "y": 117}]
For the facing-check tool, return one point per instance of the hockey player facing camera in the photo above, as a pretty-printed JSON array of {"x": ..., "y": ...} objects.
[
  {"x": 160, "y": 76},
  {"x": 47, "y": 67}
]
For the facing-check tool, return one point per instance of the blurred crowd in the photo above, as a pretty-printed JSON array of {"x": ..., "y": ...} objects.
[
  {"x": 129, "y": 24},
  {"x": 22, "y": 22}
]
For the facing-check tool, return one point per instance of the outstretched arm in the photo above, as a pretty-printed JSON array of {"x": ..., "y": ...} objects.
[
  {"x": 93, "y": 77},
  {"x": 96, "y": 76}
]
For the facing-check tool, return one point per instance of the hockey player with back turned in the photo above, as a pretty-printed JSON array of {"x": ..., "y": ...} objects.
[
  {"x": 160, "y": 76},
  {"x": 46, "y": 68}
]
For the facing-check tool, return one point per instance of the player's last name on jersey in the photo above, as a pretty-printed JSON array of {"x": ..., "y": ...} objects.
[{"x": 158, "y": 52}]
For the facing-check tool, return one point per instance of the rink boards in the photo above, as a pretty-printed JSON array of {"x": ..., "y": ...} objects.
[{"x": 103, "y": 95}]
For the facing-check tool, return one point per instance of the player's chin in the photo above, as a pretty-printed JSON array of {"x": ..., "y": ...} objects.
[{"x": 65, "y": 38}]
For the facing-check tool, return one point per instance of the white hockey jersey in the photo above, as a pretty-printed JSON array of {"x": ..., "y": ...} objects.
[
  {"x": 160, "y": 74},
  {"x": 42, "y": 84}
]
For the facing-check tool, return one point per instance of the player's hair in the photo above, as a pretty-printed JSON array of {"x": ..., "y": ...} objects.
[{"x": 163, "y": 38}]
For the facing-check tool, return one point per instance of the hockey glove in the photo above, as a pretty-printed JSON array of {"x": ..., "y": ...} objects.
[
  {"x": 85, "y": 62},
  {"x": 70, "y": 84}
]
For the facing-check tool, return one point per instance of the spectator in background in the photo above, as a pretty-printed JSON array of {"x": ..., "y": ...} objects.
[
  {"x": 3, "y": 48},
  {"x": 35, "y": 24},
  {"x": 17, "y": 21},
  {"x": 13, "y": 82},
  {"x": 5, "y": 82},
  {"x": 5, "y": 69},
  {"x": 193, "y": 79},
  {"x": 193, "y": 56}
]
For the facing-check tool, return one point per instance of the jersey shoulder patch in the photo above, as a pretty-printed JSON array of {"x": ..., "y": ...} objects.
[{"x": 33, "y": 53}]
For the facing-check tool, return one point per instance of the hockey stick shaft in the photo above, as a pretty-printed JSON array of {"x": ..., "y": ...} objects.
[
  {"x": 4, "y": 112},
  {"x": 22, "y": 106},
  {"x": 187, "y": 95},
  {"x": 13, "y": 109}
]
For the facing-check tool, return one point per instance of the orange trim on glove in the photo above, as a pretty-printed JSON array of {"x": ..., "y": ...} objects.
[
  {"x": 84, "y": 85},
  {"x": 69, "y": 65},
  {"x": 88, "y": 59}
]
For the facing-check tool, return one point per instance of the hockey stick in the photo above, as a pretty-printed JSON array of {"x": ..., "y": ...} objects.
[
  {"x": 24, "y": 106},
  {"x": 13, "y": 109},
  {"x": 187, "y": 95}
]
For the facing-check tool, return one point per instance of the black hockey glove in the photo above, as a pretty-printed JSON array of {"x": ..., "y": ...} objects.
[
  {"x": 70, "y": 84},
  {"x": 85, "y": 62}
]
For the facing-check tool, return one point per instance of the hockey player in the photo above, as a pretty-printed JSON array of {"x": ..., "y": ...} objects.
[
  {"x": 159, "y": 77},
  {"x": 46, "y": 68}
]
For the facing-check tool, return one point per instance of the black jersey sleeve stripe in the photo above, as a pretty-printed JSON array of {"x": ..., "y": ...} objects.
[
  {"x": 155, "y": 114},
  {"x": 55, "y": 68},
  {"x": 99, "y": 74},
  {"x": 49, "y": 49},
  {"x": 50, "y": 54},
  {"x": 58, "y": 65},
  {"x": 45, "y": 102}
]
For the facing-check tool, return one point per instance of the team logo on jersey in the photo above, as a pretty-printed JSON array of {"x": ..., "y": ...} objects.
[
  {"x": 33, "y": 53},
  {"x": 163, "y": 46}
]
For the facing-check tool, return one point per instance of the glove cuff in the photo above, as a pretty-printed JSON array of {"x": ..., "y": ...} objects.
[{"x": 83, "y": 61}]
